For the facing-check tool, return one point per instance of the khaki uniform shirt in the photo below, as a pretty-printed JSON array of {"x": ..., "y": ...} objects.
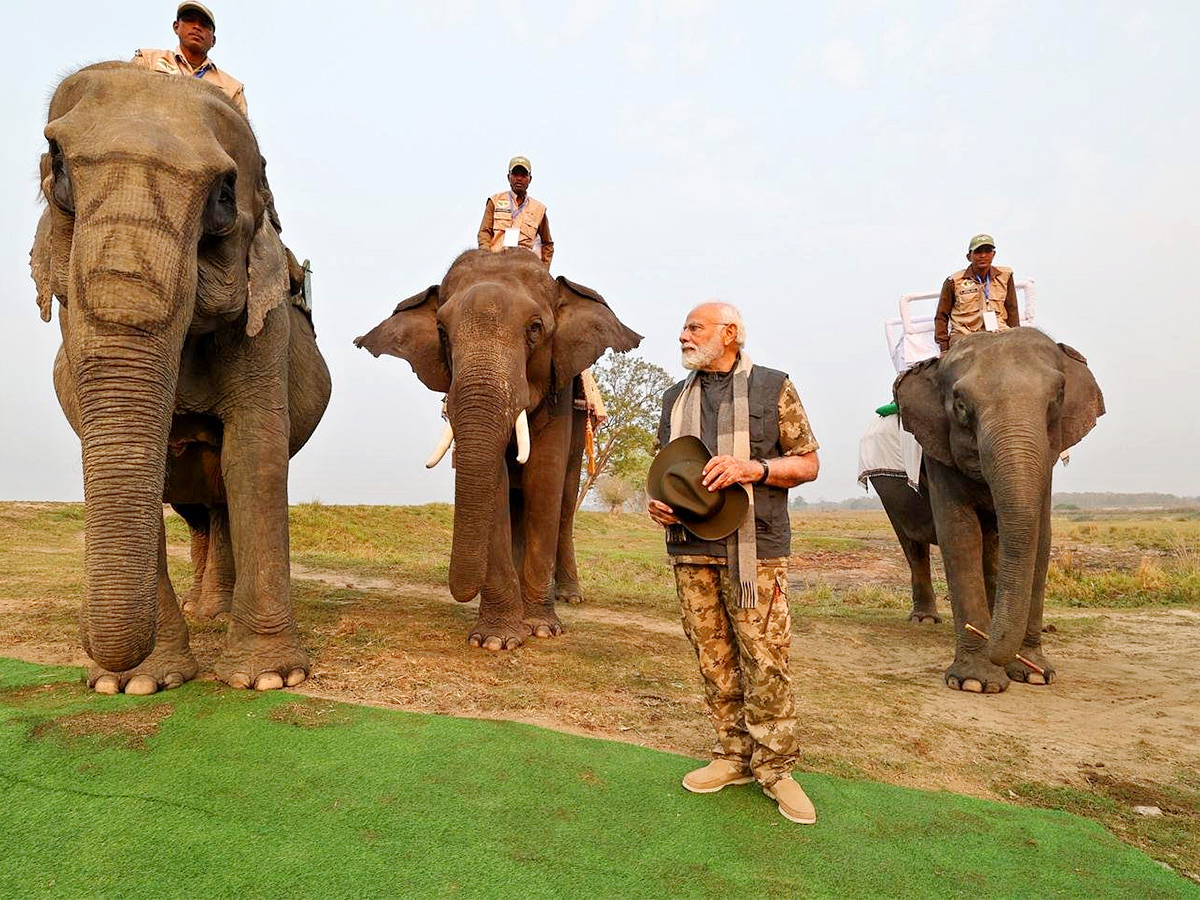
[
  {"x": 795, "y": 439},
  {"x": 173, "y": 62},
  {"x": 963, "y": 302},
  {"x": 530, "y": 219}
]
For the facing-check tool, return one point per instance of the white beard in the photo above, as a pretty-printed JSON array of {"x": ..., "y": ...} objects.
[{"x": 700, "y": 356}]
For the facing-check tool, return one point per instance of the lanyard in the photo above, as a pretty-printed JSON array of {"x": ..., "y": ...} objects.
[
  {"x": 986, "y": 282},
  {"x": 512, "y": 205}
]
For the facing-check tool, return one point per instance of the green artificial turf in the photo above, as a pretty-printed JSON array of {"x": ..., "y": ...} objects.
[{"x": 210, "y": 792}]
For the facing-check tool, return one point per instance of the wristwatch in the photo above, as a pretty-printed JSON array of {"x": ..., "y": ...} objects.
[{"x": 766, "y": 471}]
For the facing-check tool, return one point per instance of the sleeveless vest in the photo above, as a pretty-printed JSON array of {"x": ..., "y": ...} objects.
[
  {"x": 772, "y": 528},
  {"x": 969, "y": 303},
  {"x": 529, "y": 220}
]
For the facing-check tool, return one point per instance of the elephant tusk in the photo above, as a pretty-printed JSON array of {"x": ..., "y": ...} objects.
[
  {"x": 442, "y": 446},
  {"x": 522, "y": 427}
]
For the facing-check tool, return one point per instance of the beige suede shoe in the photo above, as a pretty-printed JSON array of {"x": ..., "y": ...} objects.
[
  {"x": 793, "y": 802},
  {"x": 716, "y": 775}
]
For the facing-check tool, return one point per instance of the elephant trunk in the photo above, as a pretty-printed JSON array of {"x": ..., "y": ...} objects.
[
  {"x": 483, "y": 415},
  {"x": 125, "y": 378},
  {"x": 1016, "y": 464}
]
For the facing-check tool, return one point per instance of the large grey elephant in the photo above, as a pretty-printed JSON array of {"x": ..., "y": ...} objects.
[
  {"x": 184, "y": 369},
  {"x": 506, "y": 342},
  {"x": 992, "y": 416}
]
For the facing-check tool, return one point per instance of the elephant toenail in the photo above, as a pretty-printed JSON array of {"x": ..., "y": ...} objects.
[
  {"x": 295, "y": 677},
  {"x": 268, "y": 681}
]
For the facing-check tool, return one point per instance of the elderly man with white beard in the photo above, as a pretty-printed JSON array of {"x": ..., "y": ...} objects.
[{"x": 733, "y": 590}]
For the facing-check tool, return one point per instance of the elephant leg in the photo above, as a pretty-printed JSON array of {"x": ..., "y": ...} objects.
[
  {"x": 542, "y": 487},
  {"x": 1031, "y": 644},
  {"x": 960, "y": 537},
  {"x": 196, "y": 517},
  {"x": 216, "y": 588},
  {"x": 924, "y": 610},
  {"x": 566, "y": 572},
  {"x": 500, "y": 625},
  {"x": 263, "y": 648},
  {"x": 171, "y": 663},
  {"x": 912, "y": 521},
  {"x": 991, "y": 558}
]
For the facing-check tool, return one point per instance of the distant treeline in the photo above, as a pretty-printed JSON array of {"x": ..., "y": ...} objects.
[{"x": 1063, "y": 501}]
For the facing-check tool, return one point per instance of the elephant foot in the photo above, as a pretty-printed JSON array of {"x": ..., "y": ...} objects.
[
  {"x": 1018, "y": 671},
  {"x": 977, "y": 675},
  {"x": 568, "y": 593},
  {"x": 490, "y": 636},
  {"x": 924, "y": 617},
  {"x": 541, "y": 627},
  {"x": 162, "y": 670},
  {"x": 264, "y": 663},
  {"x": 207, "y": 604}
]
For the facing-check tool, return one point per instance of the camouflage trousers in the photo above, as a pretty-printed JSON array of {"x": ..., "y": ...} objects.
[{"x": 743, "y": 655}]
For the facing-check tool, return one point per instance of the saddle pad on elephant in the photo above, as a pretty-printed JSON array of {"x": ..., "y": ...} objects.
[
  {"x": 910, "y": 336},
  {"x": 887, "y": 449}
]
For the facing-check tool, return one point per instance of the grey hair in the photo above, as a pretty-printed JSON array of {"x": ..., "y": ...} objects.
[{"x": 731, "y": 315}]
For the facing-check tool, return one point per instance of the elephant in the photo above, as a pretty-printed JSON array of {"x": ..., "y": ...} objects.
[
  {"x": 186, "y": 369},
  {"x": 506, "y": 342},
  {"x": 912, "y": 520},
  {"x": 992, "y": 416}
]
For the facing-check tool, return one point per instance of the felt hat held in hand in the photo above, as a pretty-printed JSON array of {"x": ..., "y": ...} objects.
[{"x": 676, "y": 479}]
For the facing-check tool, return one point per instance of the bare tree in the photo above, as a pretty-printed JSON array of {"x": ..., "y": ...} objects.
[{"x": 624, "y": 445}]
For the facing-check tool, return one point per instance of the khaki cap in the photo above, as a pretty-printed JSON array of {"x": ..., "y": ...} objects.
[
  {"x": 981, "y": 240},
  {"x": 197, "y": 7},
  {"x": 522, "y": 161}
]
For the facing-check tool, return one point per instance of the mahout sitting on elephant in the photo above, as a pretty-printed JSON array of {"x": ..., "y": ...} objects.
[
  {"x": 186, "y": 372},
  {"x": 992, "y": 416},
  {"x": 506, "y": 342}
]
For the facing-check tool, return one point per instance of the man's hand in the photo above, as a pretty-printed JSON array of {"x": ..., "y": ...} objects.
[
  {"x": 661, "y": 513},
  {"x": 722, "y": 471}
]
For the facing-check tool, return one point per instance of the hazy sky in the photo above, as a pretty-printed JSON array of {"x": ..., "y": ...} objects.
[{"x": 807, "y": 162}]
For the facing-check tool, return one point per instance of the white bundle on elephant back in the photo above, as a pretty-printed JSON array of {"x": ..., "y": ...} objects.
[
  {"x": 506, "y": 343},
  {"x": 184, "y": 370}
]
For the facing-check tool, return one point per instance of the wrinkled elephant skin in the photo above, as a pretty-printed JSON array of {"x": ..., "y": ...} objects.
[
  {"x": 502, "y": 338},
  {"x": 992, "y": 416},
  {"x": 184, "y": 369}
]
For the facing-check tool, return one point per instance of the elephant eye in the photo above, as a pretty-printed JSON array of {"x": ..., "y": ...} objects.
[
  {"x": 220, "y": 210},
  {"x": 962, "y": 413},
  {"x": 534, "y": 331},
  {"x": 62, "y": 195}
]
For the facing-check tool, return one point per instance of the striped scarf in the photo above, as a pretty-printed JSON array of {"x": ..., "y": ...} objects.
[{"x": 733, "y": 439}]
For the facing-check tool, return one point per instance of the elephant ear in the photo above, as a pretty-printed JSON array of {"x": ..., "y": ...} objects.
[
  {"x": 1082, "y": 401},
  {"x": 411, "y": 333},
  {"x": 918, "y": 393},
  {"x": 41, "y": 262},
  {"x": 268, "y": 285},
  {"x": 584, "y": 328}
]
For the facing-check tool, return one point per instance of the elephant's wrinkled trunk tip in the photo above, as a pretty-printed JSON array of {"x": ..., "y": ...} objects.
[{"x": 443, "y": 445}]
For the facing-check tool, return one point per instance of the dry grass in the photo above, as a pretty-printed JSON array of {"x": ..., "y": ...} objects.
[{"x": 377, "y": 619}]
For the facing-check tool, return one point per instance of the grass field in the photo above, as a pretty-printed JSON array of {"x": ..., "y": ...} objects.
[{"x": 1121, "y": 728}]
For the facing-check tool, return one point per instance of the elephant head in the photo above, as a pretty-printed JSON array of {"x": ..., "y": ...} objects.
[
  {"x": 999, "y": 409},
  {"x": 502, "y": 339},
  {"x": 154, "y": 230}
]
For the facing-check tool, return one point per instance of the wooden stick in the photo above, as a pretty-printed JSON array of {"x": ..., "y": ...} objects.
[{"x": 983, "y": 634}]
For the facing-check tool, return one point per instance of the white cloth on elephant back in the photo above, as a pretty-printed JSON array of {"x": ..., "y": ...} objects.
[{"x": 887, "y": 449}]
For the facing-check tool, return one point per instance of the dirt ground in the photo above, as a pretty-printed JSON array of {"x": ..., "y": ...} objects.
[
  {"x": 1124, "y": 711},
  {"x": 1125, "y": 700}
]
